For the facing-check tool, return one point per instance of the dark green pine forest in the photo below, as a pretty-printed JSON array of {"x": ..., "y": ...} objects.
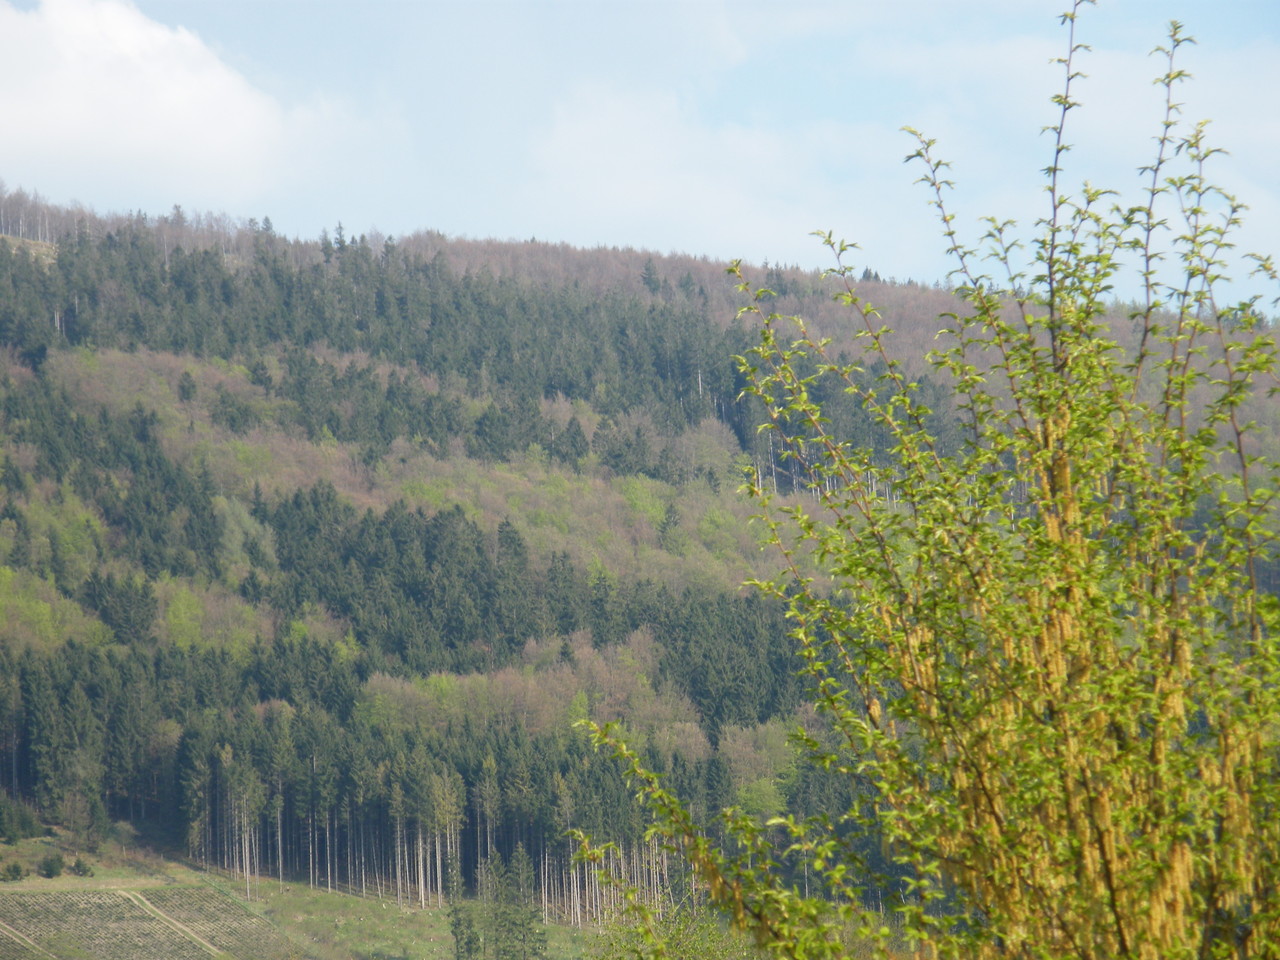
[{"x": 312, "y": 552}]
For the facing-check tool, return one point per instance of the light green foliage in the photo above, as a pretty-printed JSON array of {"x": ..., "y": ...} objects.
[
  {"x": 761, "y": 765},
  {"x": 761, "y": 799},
  {"x": 253, "y": 460},
  {"x": 1043, "y": 659},
  {"x": 684, "y": 934},
  {"x": 66, "y": 535},
  {"x": 243, "y": 535},
  {"x": 432, "y": 494},
  {"x": 32, "y": 611},
  {"x": 716, "y": 529},
  {"x": 183, "y": 615},
  {"x": 643, "y": 497},
  {"x": 194, "y": 615}
]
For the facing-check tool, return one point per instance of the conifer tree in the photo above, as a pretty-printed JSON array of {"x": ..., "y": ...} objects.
[{"x": 462, "y": 924}]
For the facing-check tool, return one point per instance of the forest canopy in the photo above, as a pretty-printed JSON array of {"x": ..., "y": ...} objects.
[{"x": 313, "y": 552}]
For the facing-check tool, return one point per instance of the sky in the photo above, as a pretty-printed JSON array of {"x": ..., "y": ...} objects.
[{"x": 721, "y": 128}]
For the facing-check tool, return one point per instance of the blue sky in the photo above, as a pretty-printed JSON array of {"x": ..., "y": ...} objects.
[{"x": 727, "y": 129}]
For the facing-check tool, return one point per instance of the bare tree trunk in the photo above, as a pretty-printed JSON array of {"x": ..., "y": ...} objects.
[
  {"x": 280, "y": 844},
  {"x": 424, "y": 866},
  {"x": 546, "y": 877},
  {"x": 439, "y": 872},
  {"x": 245, "y": 852},
  {"x": 398, "y": 843},
  {"x": 328, "y": 849},
  {"x": 577, "y": 892}
]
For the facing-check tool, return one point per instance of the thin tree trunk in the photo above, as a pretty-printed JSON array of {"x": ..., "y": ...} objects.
[
  {"x": 280, "y": 843},
  {"x": 439, "y": 873},
  {"x": 328, "y": 849},
  {"x": 311, "y": 849},
  {"x": 422, "y": 871},
  {"x": 399, "y": 847}
]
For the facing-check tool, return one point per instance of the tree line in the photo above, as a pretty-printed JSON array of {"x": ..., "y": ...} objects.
[{"x": 492, "y": 347}]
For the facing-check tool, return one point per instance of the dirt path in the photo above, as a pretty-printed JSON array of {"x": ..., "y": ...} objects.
[
  {"x": 5, "y": 929},
  {"x": 177, "y": 925}
]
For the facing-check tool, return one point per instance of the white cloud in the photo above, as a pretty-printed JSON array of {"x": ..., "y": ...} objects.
[
  {"x": 648, "y": 168},
  {"x": 104, "y": 105},
  {"x": 636, "y": 165}
]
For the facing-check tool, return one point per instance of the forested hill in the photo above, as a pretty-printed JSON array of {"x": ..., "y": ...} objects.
[{"x": 311, "y": 553}]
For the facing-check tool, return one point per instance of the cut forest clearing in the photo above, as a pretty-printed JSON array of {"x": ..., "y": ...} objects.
[
  {"x": 174, "y": 922},
  {"x": 137, "y": 905}
]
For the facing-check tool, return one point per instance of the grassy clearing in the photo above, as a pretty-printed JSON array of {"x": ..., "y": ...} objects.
[
  {"x": 102, "y": 924},
  {"x": 139, "y": 905}
]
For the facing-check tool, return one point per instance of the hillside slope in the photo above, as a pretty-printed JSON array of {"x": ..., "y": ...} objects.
[{"x": 314, "y": 553}]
